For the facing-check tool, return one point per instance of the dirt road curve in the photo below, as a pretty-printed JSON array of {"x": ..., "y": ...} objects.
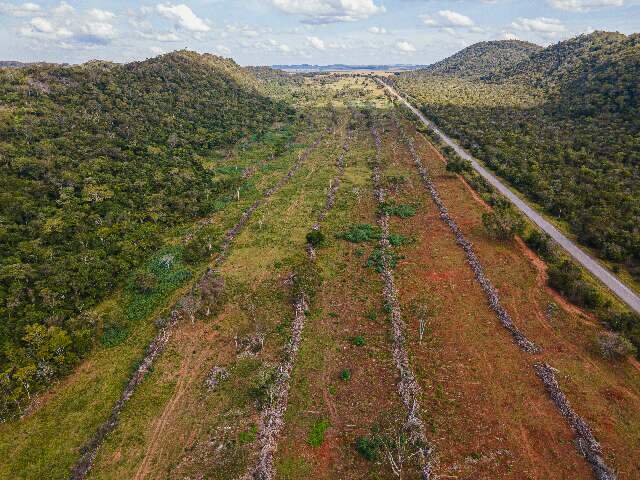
[{"x": 606, "y": 277}]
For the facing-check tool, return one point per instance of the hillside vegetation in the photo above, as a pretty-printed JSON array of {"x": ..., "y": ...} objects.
[
  {"x": 483, "y": 59},
  {"x": 99, "y": 162},
  {"x": 563, "y": 126}
]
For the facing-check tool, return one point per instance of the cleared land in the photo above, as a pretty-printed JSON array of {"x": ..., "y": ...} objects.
[{"x": 200, "y": 410}]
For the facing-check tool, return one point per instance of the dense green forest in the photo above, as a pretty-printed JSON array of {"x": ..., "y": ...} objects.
[
  {"x": 563, "y": 126},
  {"x": 99, "y": 161}
]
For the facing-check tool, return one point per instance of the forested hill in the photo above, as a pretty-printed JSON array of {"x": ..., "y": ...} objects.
[
  {"x": 563, "y": 126},
  {"x": 98, "y": 161},
  {"x": 483, "y": 59}
]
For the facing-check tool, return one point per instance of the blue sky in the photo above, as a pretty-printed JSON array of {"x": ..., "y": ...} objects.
[{"x": 265, "y": 32}]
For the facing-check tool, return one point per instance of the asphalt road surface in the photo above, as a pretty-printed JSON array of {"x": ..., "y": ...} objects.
[{"x": 604, "y": 275}]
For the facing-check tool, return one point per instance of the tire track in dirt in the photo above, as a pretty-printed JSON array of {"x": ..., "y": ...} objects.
[
  {"x": 186, "y": 306},
  {"x": 272, "y": 418}
]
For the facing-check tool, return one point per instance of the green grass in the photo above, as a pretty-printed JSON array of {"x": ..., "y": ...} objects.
[
  {"x": 316, "y": 433},
  {"x": 361, "y": 233}
]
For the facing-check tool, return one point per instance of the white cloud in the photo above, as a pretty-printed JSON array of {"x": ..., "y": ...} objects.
[
  {"x": 455, "y": 19},
  {"x": 101, "y": 15},
  {"x": 584, "y": 5},
  {"x": 329, "y": 11},
  {"x": 63, "y": 9},
  {"x": 97, "y": 32},
  {"x": 221, "y": 49},
  {"x": 509, "y": 36},
  {"x": 183, "y": 16},
  {"x": 271, "y": 45},
  {"x": 161, "y": 36},
  {"x": 316, "y": 43},
  {"x": 540, "y": 25},
  {"x": 43, "y": 29},
  {"x": 244, "y": 30},
  {"x": 23, "y": 10},
  {"x": 378, "y": 30},
  {"x": 449, "y": 21},
  {"x": 406, "y": 47},
  {"x": 42, "y": 25}
]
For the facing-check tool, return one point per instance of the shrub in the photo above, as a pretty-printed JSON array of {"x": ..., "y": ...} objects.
[
  {"x": 614, "y": 346},
  {"x": 361, "y": 233},
  {"x": 539, "y": 242},
  {"x": 114, "y": 335},
  {"x": 368, "y": 447},
  {"x": 458, "y": 165},
  {"x": 198, "y": 248},
  {"x": 398, "y": 240},
  {"x": 145, "y": 282},
  {"x": 376, "y": 258},
  {"x": 315, "y": 238},
  {"x": 316, "y": 434},
  {"x": 567, "y": 278},
  {"x": 358, "y": 341},
  {"x": 345, "y": 374},
  {"x": 503, "y": 223},
  {"x": 398, "y": 210}
]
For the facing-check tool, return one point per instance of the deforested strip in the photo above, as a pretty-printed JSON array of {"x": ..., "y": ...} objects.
[
  {"x": 492, "y": 295},
  {"x": 272, "y": 417},
  {"x": 586, "y": 443},
  {"x": 407, "y": 387},
  {"x": 186, "y": 306},
  {"x": 333, "y": 190}
]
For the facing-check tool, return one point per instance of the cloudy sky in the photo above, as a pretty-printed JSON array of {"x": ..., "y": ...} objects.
[{"x": 265, "y": 32}]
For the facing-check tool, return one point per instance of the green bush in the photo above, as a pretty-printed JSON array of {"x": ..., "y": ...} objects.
[
  {"x": 316, "y": 434},
  {"x": 368, "y": 447},
  {"x": 358, "y": 341},
  {"x": 540, "y": 243},
  {"x": 361, "y": 233},
  {"x": 614, "y": 346},
  {"x": 345, "y": 374},
  {"x": 376, "y": 258},
  {"x": 567, "y": 278},
  {"x": 315, "y": 238},
  {"x": 503, "y": 223},
  {"x": 458, "y": 165},
  {"x": 398, "y": 210}
]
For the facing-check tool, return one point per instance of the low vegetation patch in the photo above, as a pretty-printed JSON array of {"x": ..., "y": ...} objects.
[
  {"x": 316, "y": 434},
  {"x": 398, "y": 210},
  {"x": 361, "y": 233}
]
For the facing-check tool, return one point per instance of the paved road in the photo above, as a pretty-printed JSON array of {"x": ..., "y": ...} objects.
[{"x": 606, "y": 277}]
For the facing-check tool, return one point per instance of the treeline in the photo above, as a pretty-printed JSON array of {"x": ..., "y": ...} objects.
[
  {"x": 563, "y": 127},
  {"x": 99, "y": 161}
]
